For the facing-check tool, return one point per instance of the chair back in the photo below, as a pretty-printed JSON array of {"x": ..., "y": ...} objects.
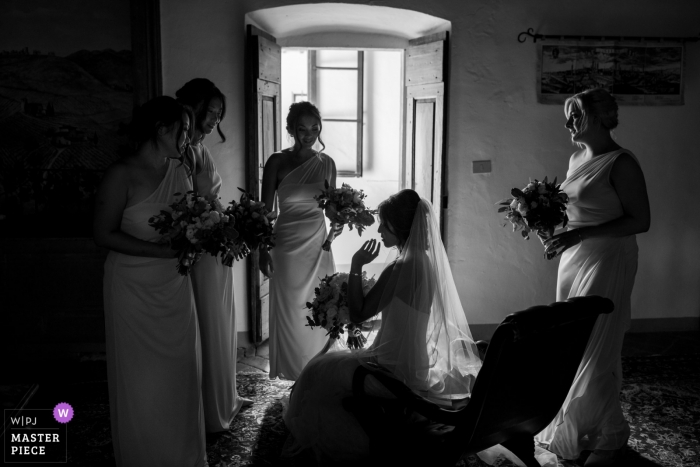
[{"x": 528, "y": 370}]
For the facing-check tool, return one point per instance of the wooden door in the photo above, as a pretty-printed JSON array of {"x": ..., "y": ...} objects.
[
  {"x": 263, "y": 75},
  {"x": 425, "y": 63}
]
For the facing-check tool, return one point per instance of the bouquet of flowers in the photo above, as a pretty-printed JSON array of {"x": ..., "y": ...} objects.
[
  {"x": 329, "y": 308},
  {"x": 195, "y": 225},
  {"x": 253, "y": 221},
  {"x": 539, "y": 207},
  {"x": 344, "y": 205}
]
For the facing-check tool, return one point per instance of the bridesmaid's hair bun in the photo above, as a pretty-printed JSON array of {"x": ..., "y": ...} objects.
[
  {"x": 163, "y": 111},
  {"x": 597, "y": 103},
  {"x": 197, "y": 93},
  {"x": 399, "y": 210},
  {"x": 296, "y": 111}
]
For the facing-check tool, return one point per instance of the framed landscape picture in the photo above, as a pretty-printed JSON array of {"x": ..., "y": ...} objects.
[
  {"x": 68, "y": 87},
  {"x": 636, "y": 73}
]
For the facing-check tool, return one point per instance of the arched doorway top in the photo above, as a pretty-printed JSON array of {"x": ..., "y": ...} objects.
[{"x": 345, "y": 25}]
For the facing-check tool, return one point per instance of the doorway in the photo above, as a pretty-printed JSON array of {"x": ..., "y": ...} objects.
[
  {"x": 341, "y": 39},
  {"x": 359, "y": 95}
]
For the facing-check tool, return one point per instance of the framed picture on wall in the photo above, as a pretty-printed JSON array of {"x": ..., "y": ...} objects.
[
  {"x": 68, "y": 87},
  {"x": 636, "y": 73}
]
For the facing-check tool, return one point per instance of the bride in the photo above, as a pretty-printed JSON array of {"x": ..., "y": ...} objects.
[{"x": 424, "y": 340}]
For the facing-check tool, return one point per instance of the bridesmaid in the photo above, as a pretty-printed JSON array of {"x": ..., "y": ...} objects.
[
  {"x": 608, "y": 207},
  {"x": 153, "y": 350},
  {"x": 297, "y": 262},
  {"x": 212, "y": 282}
]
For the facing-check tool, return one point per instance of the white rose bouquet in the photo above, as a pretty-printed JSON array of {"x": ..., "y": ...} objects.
[
  {"x": 329, "y": 308},
  {"x": 539, "y": 207},
  {"x": 344, "y": 205},
  {"x": 197, "y": 224}
]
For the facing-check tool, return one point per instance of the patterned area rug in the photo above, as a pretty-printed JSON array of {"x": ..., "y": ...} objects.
[{"x": 660, "y": 398}]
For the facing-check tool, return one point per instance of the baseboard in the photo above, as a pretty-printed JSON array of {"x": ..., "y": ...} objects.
[
  {"x": 244, "y": 342},
  {"x": 482, "y": 332},
  {"x": 95, "y": 350},
  {"x": 639, "y": 325},
  {"x": 665, "y": 325}
]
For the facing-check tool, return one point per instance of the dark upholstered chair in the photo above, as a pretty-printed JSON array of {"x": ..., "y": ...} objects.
[{"x": 527, "y": 371}]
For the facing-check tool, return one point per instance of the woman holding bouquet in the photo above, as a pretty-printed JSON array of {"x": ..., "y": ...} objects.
[
  {"x": 424, "y": 340},
  {"x": 153, "y": 350},
  {"x": 212, "y": 282},
  {"x": 294, "y": 266},
  {"x": 608, "y": 205}
]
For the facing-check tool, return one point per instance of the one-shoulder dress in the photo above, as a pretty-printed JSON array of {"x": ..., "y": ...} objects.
[
  {"x": 153, "y": 349},
  {"x": 212, "y": 284},
  {"x": 299, "y": 263},
  {"x": 591, "y": 417}
]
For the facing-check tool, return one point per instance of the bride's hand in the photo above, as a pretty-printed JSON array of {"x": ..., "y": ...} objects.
[
  {"x": 558, "y": 244},
  {"x": 366, "y": 254}
]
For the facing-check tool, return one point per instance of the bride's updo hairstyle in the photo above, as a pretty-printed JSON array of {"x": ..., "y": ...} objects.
[
  {"x": 398, "y": 211},
  {"x": 296, "y": 111},
  {"x": 159, "y": 112},
  {"x": 597, "y": 103},
  {"x": 197, "y": 93}
]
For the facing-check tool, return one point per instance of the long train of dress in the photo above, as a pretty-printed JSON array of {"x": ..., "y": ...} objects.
[
  {"x": 299, "y": 263},
  {"x": 153, "y": 349},
  {"x": 591, "y": 417}
]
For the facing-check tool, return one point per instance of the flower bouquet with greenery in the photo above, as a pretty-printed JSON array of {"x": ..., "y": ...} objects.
[
  {"x": 344, "y": 205},
  {"x": 195, "y": 225},
  {"x": 254, "y": 222},
  {"x": 539, "y": 207},
  {"x": 329, "y": 308}
]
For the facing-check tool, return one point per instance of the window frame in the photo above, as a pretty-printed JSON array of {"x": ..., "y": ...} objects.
[{"x": 359, "y": 120}]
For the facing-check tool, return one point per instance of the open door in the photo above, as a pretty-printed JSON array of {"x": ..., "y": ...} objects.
[
  {"x": 262, "y": 81},
  {"x": 425, "y": 65}
]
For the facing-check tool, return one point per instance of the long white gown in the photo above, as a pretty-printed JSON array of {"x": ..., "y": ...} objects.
[
  {"x": 212, "y": 283},
  {"x": 153, "y": 350},
  {"x": 591, "y": 417},
  {"x": 424, "y": 342},
  {"x": 299, "y": 262}
]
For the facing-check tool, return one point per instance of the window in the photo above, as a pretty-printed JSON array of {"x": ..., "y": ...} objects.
[{"x": 335, "y": 86}]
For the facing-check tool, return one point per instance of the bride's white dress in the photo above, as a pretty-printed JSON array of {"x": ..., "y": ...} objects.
[
  {"x": 299, "y": 263},
  {"x": 424, "y": 341},
  {"x": 591, "y": 417},
  {"x": 153, "y": 348}
]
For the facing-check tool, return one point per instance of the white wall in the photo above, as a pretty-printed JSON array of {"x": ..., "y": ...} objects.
[{"x": 493, "y": 114}]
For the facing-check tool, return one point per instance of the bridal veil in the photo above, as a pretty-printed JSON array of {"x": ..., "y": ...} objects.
[{"x": 424, "y": 339}]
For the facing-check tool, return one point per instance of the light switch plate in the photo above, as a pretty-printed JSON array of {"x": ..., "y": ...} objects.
[{"x": 481, "y": 167}]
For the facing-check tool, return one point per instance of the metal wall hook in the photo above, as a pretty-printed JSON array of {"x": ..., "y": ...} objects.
[{"x": 530, "y": 32}]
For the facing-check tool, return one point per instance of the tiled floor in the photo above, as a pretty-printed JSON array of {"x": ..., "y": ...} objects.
[{"x": 635, "y": 345}]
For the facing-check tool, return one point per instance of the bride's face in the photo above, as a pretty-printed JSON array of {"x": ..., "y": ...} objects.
[{"x": 387, "y": 232}]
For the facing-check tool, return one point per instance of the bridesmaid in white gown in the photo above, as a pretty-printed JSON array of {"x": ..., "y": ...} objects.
[
  {"x": 608, "y": 205},
  {"x": 212, "y": 282},
  {"x": 153, "y": 350},
  {"x": 298, "y": 261}
]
